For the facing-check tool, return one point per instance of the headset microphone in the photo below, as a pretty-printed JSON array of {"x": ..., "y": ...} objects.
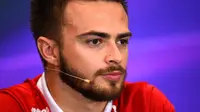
[{"x": 85, "y": 80}]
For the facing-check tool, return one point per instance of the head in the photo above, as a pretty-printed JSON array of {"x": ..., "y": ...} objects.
[{"x": 84, "y": 38}]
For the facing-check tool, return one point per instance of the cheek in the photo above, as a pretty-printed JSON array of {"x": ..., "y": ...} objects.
[
  {"x": 91, "y": 61},
  {"x": 124, "y": 59},
  {"x": 84, "y": 60}
]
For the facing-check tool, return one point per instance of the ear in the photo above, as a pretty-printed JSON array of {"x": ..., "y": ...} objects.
[{"x": 48, "y": 50}]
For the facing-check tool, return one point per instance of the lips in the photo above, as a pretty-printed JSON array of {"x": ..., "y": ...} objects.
[{"x": 114, "y": 76}]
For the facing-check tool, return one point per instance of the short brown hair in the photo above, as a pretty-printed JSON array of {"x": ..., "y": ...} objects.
[{"x": 46, "y": 18}]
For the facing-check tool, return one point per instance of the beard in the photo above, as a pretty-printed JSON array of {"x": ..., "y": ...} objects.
[{"x": 92, "y": 91}]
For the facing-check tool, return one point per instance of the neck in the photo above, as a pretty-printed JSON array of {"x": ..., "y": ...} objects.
[{"x": 68, "y": 99}]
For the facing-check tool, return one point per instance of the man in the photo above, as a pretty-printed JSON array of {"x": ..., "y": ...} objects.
[{"x": 84, "y": 48}]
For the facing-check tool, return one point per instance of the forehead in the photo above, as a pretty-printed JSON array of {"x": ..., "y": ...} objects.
[{"x": 96, "y": 15}]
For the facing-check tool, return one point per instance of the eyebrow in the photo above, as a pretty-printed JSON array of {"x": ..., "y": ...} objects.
[
  {"x": 104, "y": 35},
  {"x": 123, "y": 35}
]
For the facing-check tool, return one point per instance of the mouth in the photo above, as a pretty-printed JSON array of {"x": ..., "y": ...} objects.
[{"x": 113, "y": 76}]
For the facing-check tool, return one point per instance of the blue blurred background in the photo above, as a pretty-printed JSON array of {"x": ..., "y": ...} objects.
[{"x": 165, "y": 50}]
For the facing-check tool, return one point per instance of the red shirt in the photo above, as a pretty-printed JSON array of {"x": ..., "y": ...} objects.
[{"x": 136, "y": 97}]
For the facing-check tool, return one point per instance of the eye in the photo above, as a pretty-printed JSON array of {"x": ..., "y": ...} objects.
[
  {"x": 94, "y": 42},
  {"x": 123, "y": 41}
]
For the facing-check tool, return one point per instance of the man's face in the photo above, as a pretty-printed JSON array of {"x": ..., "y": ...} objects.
[{"x": 94, "y": 46}]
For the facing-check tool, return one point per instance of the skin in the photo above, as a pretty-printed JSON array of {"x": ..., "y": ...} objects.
[{"x": 87, "y": 53}]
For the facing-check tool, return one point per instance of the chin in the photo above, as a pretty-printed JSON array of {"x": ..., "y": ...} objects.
[
  {"x": 115, "y": 87},
  {"x": 112, "y": 90},
  {"x": 103, "y": 90},
  {"x": 111, "y": 87}
]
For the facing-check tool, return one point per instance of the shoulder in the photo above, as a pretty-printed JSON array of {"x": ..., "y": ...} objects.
[
  {"x": 19, "y": 89},
  {"x": 135, "y": 88},
  {"x": 150, "y": 95},
  {"x": 27, "y": 88},
  {"x": 23, "y": 96},
  {"x": 7, "y": 101},
  {"x": 158, "y": 100},
  {"x": 15, "y": 96}
]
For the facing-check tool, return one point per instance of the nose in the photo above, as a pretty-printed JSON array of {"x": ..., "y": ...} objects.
[{"x": 114, "y": 55}]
